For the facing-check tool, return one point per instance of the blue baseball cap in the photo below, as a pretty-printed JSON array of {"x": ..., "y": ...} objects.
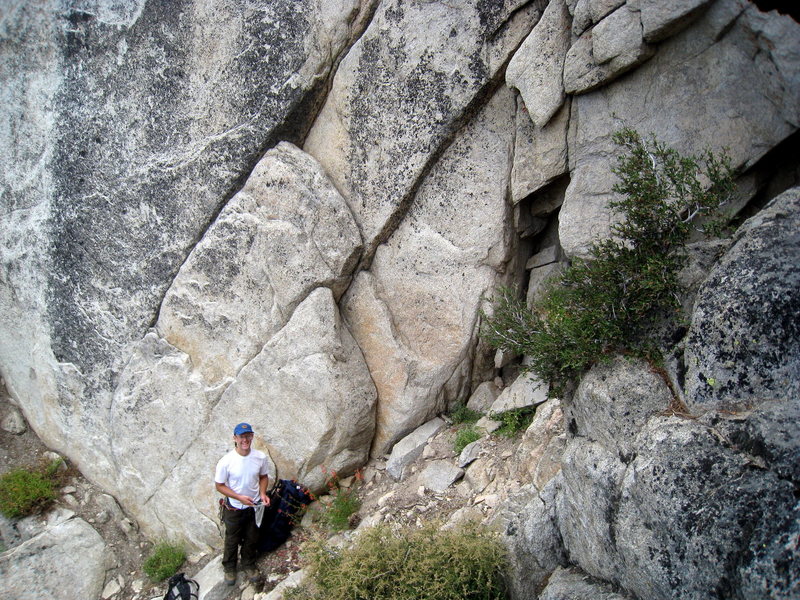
[{"x": 242, "y": 428}]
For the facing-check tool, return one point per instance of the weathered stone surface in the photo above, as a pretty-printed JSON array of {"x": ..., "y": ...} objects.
[
  {"x": 587, "y": 505},
  {"x": 544, "y": 257},
  {"x": 129, "y": 126},
  {"x": 527, "y": 390},
  {"x": 574, "y": 584},
  {"x": 410, "y": 448},
  {"x": 307, "y": 394},
  {"x": 723, "y": 534},
  {"x": 469, "y": 454},
  {"x": 535, "y": 70},
  {"x": 67, "y": 560},
  {"x": 278, "y": 593},
  {"x": 539, "y": 278},
  {"x": 14, "y": 422},
  {"x": 285, "y": 233},
  {"x": 614, "y": 401},
  {"x": 312, "y": 385},
  {"x": 540, "y": 154},
  {"x": 538, "y": 457},
  {"x": 663, "y": 19},
  {"x": 483, "y": 397},
  {"x": 661, "y": 97},
  {"x": 618, "y": 34},
  {"x": 440, "y": 475},
  {"x": 743, "y": 346},
  {"x": 414, "y": 314},
  {"x": 530, "y": 531},
  {"x": 621, "y": 47},
  {"x": 402, "y": 92}
]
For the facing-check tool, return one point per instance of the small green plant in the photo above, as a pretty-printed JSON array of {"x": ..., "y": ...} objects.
[
  {"x": 514, "y": 421},
  {"x": 461, "y": 414},
  {"x": 164, "y": 561},
  {"x": 601, "y": 305},
  {"x": 24, "y": 491},
  {"x": 410, "y": 564},
  {"x": 339, "y": 513},
  {"x": 465, "y": 436}
]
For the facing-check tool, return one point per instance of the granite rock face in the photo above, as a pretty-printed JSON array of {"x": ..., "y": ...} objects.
[
  {"x": 290, "y": 213},
  {"x": 743, "y": 347}
]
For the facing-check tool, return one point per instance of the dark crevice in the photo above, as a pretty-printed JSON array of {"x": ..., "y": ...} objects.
[{"x": 777, "y": 171}]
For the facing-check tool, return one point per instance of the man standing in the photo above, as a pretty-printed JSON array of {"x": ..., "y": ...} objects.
[{"x": 241, "y": 476}]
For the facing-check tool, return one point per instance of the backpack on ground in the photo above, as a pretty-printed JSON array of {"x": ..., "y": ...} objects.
[
  {"x": 180, "y": 587},
  {"x": 287, "y": 501}
]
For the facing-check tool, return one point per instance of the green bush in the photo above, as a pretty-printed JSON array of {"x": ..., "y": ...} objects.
[
  {"x": 461, "y": 414},
  {"x": 164, "y": 561},
  {"x": 24, "y": 492},
  {"x": 465, "y": 436},
  {"x": 600, "y": 306},
  {"x": 514, "y": 421},
  {"x": 412, "y": 564}
]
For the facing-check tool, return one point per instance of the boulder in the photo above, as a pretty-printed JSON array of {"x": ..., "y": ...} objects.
[
  {"x": 663, "y": 19},
  {"x": 14, "y": 422},
  {"x": 402, "y": 92},
  {"x": 540, "y": 155},
  {"x": 469, "y": 454},
  {"x": 743, "y": 346},
  {"x": 483, "y": 397},
  {"x": 526, "y": 390},
  {"x": 440, "y": 475},
  {"x": 536, "y": 67},
  {"x": 587, "y": 504},
  {"x": 621, "y": 47},
  {"x": 285, "y": 233},
  {"x": 407, "y": 450},
  {"x": 310, "y": 399},
  {"x": 415, "y": 312},
  {"x": 614, "y": 401},
  {"x": 538, "y": 456},
  {"x": 724, "y": 517},
  {"x": 67, "y": 560},
  {"x": 529, "y": 529},
  {"x": 574, "y": 584}
]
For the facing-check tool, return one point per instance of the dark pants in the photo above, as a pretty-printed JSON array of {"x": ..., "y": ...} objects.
[{"x": 240, "y": 528}]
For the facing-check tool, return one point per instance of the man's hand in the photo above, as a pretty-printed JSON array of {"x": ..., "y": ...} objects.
[
  {"x": 265, "y": 499},
  {"x": 247, "y": 501}
]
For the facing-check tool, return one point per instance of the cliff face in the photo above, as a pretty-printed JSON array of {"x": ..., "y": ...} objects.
[{"x": 289, "y": 213}]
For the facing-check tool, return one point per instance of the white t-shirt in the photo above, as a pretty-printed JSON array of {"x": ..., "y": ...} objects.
[{"x": 242, "y": 473}]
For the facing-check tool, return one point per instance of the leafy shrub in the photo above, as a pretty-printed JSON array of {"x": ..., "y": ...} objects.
[
  {"x": 514, "y": 421},
  {"x": 461, "y": 414},
  {"x": 411, "y": 564},
  {"x": 601, "y": 305},
  {"x": 24, "y": 492},
  {"x": 338, "y": 515},
  {"x": 465, "y": 436},
  {"x": 164, "y": 561}
]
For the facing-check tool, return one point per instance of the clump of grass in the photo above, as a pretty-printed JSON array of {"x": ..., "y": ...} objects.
[
  {"x": 27, "y": 491},
  {"x": 514, "y": 421},
  {"x": 602, "y": 305},
  {"x": 164, "y": 561},
  {"x": 468, "y": 562},
  {"x": 464, "y": 437},
  {"x": 339, "y": 513}
]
